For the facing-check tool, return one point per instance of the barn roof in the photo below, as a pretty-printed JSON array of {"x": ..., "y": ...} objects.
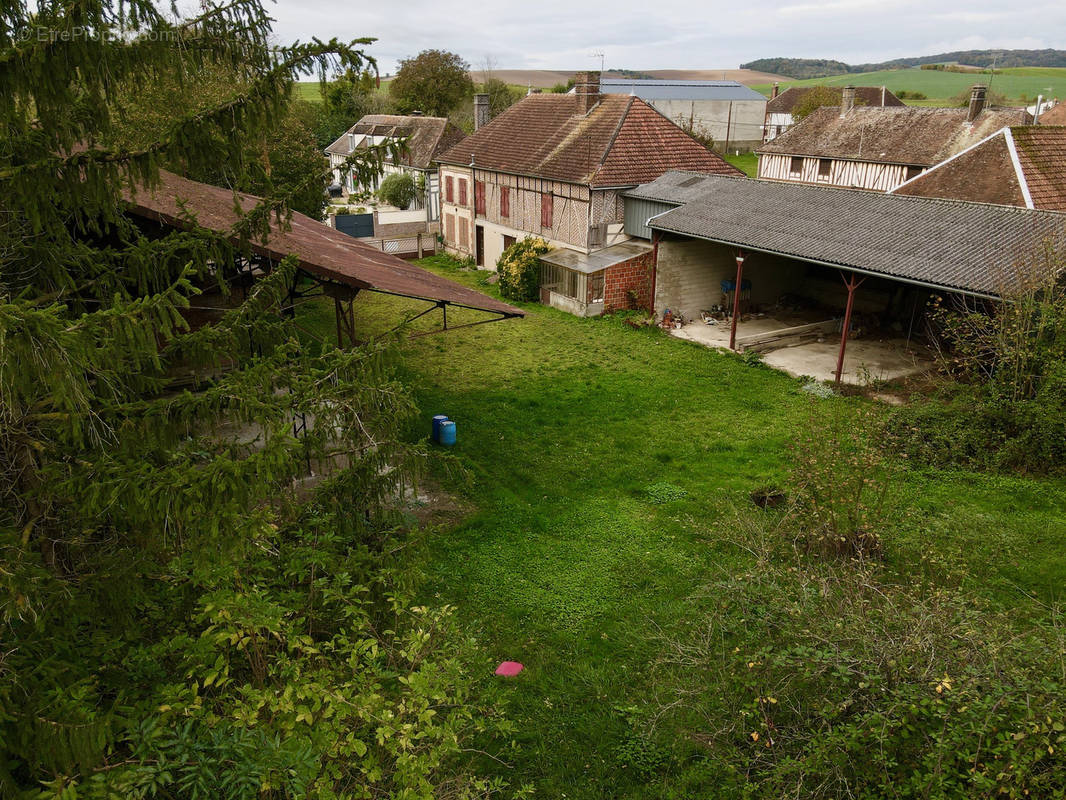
[
  {"x": 1021, "y": 166},
  {"x": 681, "y": 90},
  {"x": 622, "y": 141},
  {"x": 973, "y": 248},
  {"x": 907, "y": 135},
  {"x": 322, "y": 251}
]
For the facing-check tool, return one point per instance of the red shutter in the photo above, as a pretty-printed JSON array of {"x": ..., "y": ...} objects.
[
  {"x": 462, "y": 191},
  {"x": 545, "y": 211},
  {"x": 479, "y": 197},
  {"x": 449, "y": 189},
  {"x": 505, "y": 202}
]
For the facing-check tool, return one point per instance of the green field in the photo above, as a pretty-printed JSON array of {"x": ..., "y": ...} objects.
[
  {"x": 561, "y": 553},
  {"x": 748, "y": 162},
  {"x": 1016, "y": 83}
]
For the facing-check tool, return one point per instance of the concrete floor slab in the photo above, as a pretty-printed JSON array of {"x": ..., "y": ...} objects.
[{"x": 865, "y": 361}]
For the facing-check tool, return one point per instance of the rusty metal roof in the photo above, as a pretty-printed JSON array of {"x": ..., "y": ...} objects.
[{"x": 321, "y": 250}]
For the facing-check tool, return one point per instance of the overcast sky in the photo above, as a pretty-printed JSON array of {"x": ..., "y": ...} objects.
[{"x": 673, "y": 34}]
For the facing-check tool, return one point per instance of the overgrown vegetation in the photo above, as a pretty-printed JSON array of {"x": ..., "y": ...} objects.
[
  {"x": 519, "y": 268},
  {"x": 1004, "y": 406},
  {"x": 398, "y": 189}
]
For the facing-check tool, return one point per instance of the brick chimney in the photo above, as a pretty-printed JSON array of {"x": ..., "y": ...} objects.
[
  {"x": 587, "y": 90},
  {"x": 977, "y": 102},
  {"x": 847, "y": 100},
  {"x": 481, "y": 110},
  {"x": 777, "y": 90}
]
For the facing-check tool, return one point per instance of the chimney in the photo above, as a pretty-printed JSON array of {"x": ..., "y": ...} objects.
[
  {"x": 587, "y": 90},
  {"x": 777, "y": 90},
  {"x": 977, "y": 102},
  {"x": 847, "y": 100},
  {"x": 481, "y": 111}
]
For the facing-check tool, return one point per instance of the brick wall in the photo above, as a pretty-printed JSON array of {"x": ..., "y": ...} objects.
[{"x": 634, "y": 275}]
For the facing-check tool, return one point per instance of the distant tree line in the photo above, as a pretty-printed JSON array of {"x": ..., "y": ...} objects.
[{"x": 801, "y": 68}]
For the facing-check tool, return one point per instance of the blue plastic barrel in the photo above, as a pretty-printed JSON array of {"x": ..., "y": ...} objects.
[
  {"x": 437, "y": 420},
  {"x": 447, "y": 433}
]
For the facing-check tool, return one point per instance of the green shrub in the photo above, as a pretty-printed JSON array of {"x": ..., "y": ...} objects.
[
  {"x": 823, "y": 679},
  {"x": 519, "y": 269},
  {"x": 398, "y": 189}
]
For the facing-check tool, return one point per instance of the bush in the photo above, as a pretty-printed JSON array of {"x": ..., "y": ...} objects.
[
  {"x": 519, "y": 269},
  {"x": 823, "y": 679},
  {"x": 1004, "y": 406},
  {"x": 398, "y": 189}
]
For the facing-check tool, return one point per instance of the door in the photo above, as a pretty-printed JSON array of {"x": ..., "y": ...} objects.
[{"x": 479, "y": 245}]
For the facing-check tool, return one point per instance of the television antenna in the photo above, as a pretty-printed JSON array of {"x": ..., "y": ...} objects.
[{"x": 600, "y": 55}]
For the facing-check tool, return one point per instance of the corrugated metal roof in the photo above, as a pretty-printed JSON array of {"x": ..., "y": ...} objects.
[
  {"x": 973, "y": 248},
  {"x": 681, "y": 90},
  {"x": 599, "y": 260},
  {"x": 321, "y": 250}
]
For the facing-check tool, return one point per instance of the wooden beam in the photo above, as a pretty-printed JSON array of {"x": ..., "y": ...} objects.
[
  {"x": 852, "y": 283},
  {"x": 736, "y": 300}
]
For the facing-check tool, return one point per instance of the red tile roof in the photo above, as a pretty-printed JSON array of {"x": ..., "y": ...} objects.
[
  {"x": 1056, "y": 116},
  {"x": 864, "y": 96},
  {"x": 623, "y": 141},
  {"x": 321, "y": 250},
  {"x": 988, "y": 173}
]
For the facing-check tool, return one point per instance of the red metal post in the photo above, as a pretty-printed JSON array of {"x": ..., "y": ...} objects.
[
  {"x": 852, "y": 284},
  {"x": 736, "y": 301}
]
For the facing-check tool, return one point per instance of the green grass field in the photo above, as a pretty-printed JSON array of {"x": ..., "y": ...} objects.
[
  {"x": 1016, "y": 82},
  {"x": 748, "y": 162},
  {"x": 606, "y": 468}
]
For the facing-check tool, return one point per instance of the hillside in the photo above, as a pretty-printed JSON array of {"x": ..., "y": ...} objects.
[
  {"x": 820, "y": 68},
  {"x": 546, "y": 78},
  {"x": 940, "y": 88}
]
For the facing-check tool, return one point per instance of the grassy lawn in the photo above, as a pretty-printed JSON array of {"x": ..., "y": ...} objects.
[
  {"x": 748, "y": 162},
  {"x": 606, "y": 466},
  {"x": 1014, "y": 82}
]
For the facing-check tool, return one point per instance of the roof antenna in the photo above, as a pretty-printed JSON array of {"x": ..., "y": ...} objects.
[{"x": 598, "y": 54}]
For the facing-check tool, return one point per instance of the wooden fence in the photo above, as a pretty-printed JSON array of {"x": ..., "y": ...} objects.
[{"x": 417, "y": 246}]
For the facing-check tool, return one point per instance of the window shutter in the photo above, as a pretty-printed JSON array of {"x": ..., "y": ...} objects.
[
  {"x": 479, "y": 197},
  {"x": 505, "y": 202},
  {"x": 449, "y": 189},
  {"x": 546, "y": 210},
  {"x": 462, "y": 191}
]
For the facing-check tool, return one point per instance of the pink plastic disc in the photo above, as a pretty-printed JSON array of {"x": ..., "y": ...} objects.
[{"x": 509, "y": 669}]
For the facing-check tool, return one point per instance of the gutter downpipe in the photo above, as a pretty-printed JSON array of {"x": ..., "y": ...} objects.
[{"x": 656, "y": 235}]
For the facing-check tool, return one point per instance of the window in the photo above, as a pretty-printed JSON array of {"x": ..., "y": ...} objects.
[
  {"x": 508, "y": 241},
  {"x": 912, "y": 172},
  {"x": 462, "y": 191},
  {"x": 449, "y": 189},
  {"x": 464, "y": 229},
  {"x": 546, "y": 210},
  {"x": 449, "y": 226},
  {"x": 595, "y": 287},
  {"x": 795, "y": 166},
  {"x": 505, "y": 202},
  {"x": 825, "y": 168},
  {"x": 479, "y": 197}
]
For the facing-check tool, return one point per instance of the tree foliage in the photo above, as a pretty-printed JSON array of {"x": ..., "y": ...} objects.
[
  {"x": 434, "y": 82},
  {"x": 398, "y": 189},
  {"x": 179, "y": 615}
]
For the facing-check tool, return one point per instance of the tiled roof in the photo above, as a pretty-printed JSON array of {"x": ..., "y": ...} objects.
[
  {"x": 1042, "y": 155},
  {"x": 427, "y": 137},
  {"x": 1056, "y": 116},
  {"x": 907, "y": 135},
  {"x": 623, "y": 141},
  {"x": 321, "y": 250},
  {"x": 969, "y": 247},
  {"x": 864, "y": 96},
  {"x": 681, "y": 90},
  {"x": 988, "y": 172}
]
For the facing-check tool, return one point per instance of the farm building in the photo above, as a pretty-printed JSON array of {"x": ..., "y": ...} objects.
[
  {"x": 817, "y": 267},
  {"x": 555, "y": 166},
  {"x": 726, "y": 111},
  {"x": 780, "y": 106},
  {"x": 425, "y": 139},
  {"x": 1021, "y": 166},
  {"x": 878, "y": 148}
]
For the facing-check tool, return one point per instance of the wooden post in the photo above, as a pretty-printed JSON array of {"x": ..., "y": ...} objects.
[
  {"x": 736, "y": 300},
  {"x": 420, "y": 253},
  {"x": 852, "y": 283}
]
